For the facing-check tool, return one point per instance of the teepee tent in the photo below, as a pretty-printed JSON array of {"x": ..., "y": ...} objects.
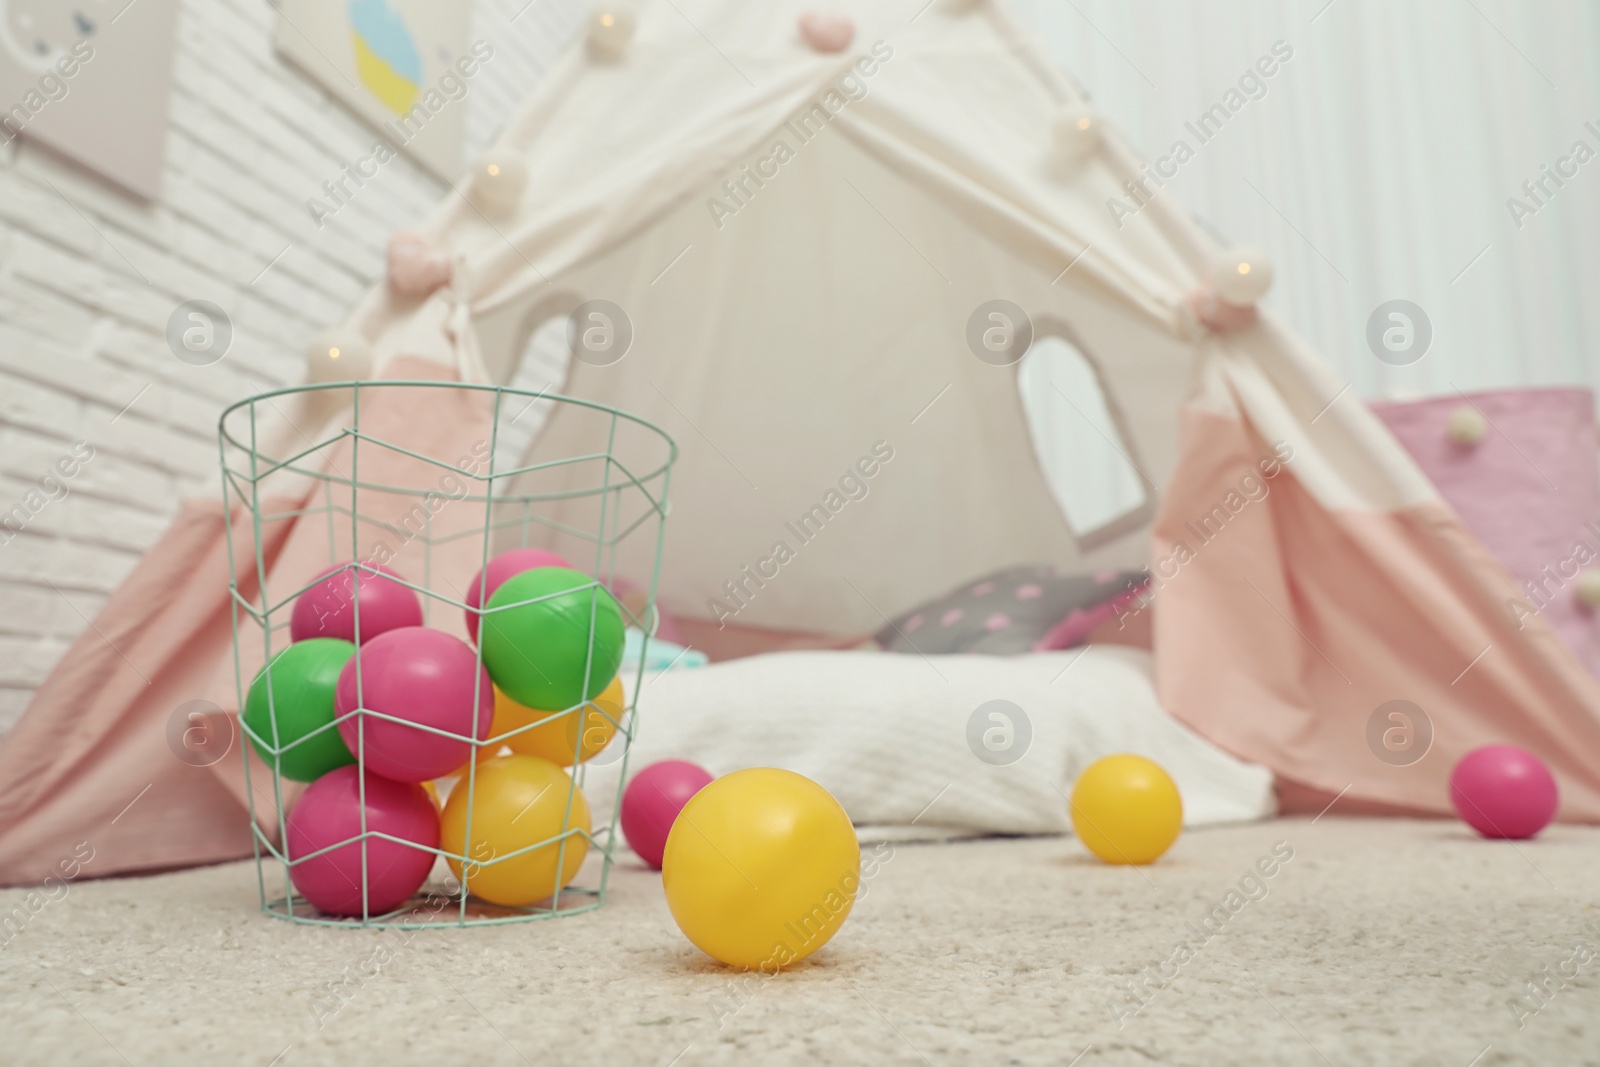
[{"x": 798, "y": 250}]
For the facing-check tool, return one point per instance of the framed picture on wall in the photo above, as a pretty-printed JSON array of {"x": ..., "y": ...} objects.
[
  {"x": 90, "y": 79},
  {"x": 390, "y": 61}
]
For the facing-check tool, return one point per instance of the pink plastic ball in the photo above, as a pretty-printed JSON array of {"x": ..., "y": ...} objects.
[
  {"x": 422, "y": 676},
  {"x": 505, "y": 565},
  {"x": 328, "y": 609},
  {"x": 330, "y": 812},
  {"x": 1504, "y": 791},
  {"x": 651, "y": 803}
]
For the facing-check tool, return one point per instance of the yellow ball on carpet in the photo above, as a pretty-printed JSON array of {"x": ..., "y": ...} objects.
[
  {"x": 761, "y": 868},
  {"x": 1126, "y": 809},
  {"x": 517, "y": 802}
]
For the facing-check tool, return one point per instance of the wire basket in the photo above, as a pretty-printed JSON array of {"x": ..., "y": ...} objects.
[{"x": 433, "y": 467}]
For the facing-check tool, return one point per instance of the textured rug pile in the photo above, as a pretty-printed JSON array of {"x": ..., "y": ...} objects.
[{"x": 1340, "y": 941}]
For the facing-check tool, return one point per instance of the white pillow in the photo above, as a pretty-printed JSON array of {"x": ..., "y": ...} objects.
[{"x": 888, "y": 735}]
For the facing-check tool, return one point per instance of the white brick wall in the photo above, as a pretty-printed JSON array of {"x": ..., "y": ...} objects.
[{"x": 89, "y": 276}]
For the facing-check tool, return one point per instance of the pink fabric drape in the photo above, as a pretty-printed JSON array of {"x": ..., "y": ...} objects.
[
  {"x": 90, "y": 759},
  {"x": 93, "y": 758},
  {"x": 1280, "y": 635}
]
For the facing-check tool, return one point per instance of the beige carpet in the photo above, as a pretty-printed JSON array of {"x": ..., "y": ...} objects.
[{"x": 1376, "y": 943}]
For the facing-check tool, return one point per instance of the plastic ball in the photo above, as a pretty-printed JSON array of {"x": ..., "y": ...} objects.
[
  {"x": 1503, "y": 791},
  {"x": 1467, "y": 425},
  {"x": 1126, "y": 809},
  {"x": 1588, "y": 590},
  {"x": 303, "y": 678},
  {"x": 328, "y": 608},
  {"x": 330, "y": 812},
  {"x": 338, "y": 356},
  {"x": 536, "y": 650},
  {"x": 415, "y": 267},
  {"x": 427, "y": 678},
  {"x": 498, "y": 181},
  {"x": 558, "y": 740},
  {"x": 503, "y": 566},
  {"x": 1242, "y": 276},
  {"x": 611, "y": 27},
  {"x": 651, "y": 803},
  {"x": 1077, "y": 131},
  {"x": 761, "y": 868},
  {"x": 517, "y": 802}
]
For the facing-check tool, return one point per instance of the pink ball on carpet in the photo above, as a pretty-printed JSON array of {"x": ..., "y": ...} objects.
[
  {"x": 330, "y": 812},
  {"x": 328, "y": 609},
  {"x": 422, "y": 676},
  {"x": 505, "y": 565},
  {"x": 651, "y": 803},
  {"x": 1504, "y": 791}
]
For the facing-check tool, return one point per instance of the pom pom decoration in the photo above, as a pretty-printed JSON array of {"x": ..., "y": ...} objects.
[
  {"x": 611, "y": 28},
  {"x": 498, "y": 182},
  {"x": 1467, "y": 425},
  {"x": 827, "y": 31},
  {"x": 1242, "y": 276},
  {"x": 1076, "y": 131},
  {"x": 339, "y": 356},
  {"x": 416, "y": 268}
]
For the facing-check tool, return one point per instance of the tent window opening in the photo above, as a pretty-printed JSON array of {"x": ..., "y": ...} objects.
[{"x": 1086, "y": 461}]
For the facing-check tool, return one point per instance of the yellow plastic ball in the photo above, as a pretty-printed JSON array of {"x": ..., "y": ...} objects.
[
  {"x": 761, "y": 868},
  {"x": 1126, "y": 809},
  {"x": 557, "y": 740},
  {"x": 517, "y": 802}
]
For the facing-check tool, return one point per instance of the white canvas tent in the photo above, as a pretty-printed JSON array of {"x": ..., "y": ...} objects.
[
  {"x": 783, "y": 328},
  {"x": 783, "y": 325}
]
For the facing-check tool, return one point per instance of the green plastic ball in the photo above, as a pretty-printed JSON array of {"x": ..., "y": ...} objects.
[
  {"x": 536, "y": 652},
  {"x": 304, "y": 677}
]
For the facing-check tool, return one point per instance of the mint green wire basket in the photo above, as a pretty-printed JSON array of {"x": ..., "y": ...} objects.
[{"x": 612, "y": 502}]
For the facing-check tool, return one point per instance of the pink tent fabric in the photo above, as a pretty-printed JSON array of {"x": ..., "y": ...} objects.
[
  {"x": 1529, "y": 489},
  {"x": 89, "y": 761},
  {"x": 1282, "y": 640},
  {"x": 94, "y": 757}
]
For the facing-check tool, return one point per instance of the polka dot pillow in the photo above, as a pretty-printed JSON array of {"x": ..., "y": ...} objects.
[{"x": 1020, "y": 609}]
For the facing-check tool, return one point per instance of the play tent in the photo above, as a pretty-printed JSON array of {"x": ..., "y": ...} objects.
[{"x": 798, "y": 240}]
